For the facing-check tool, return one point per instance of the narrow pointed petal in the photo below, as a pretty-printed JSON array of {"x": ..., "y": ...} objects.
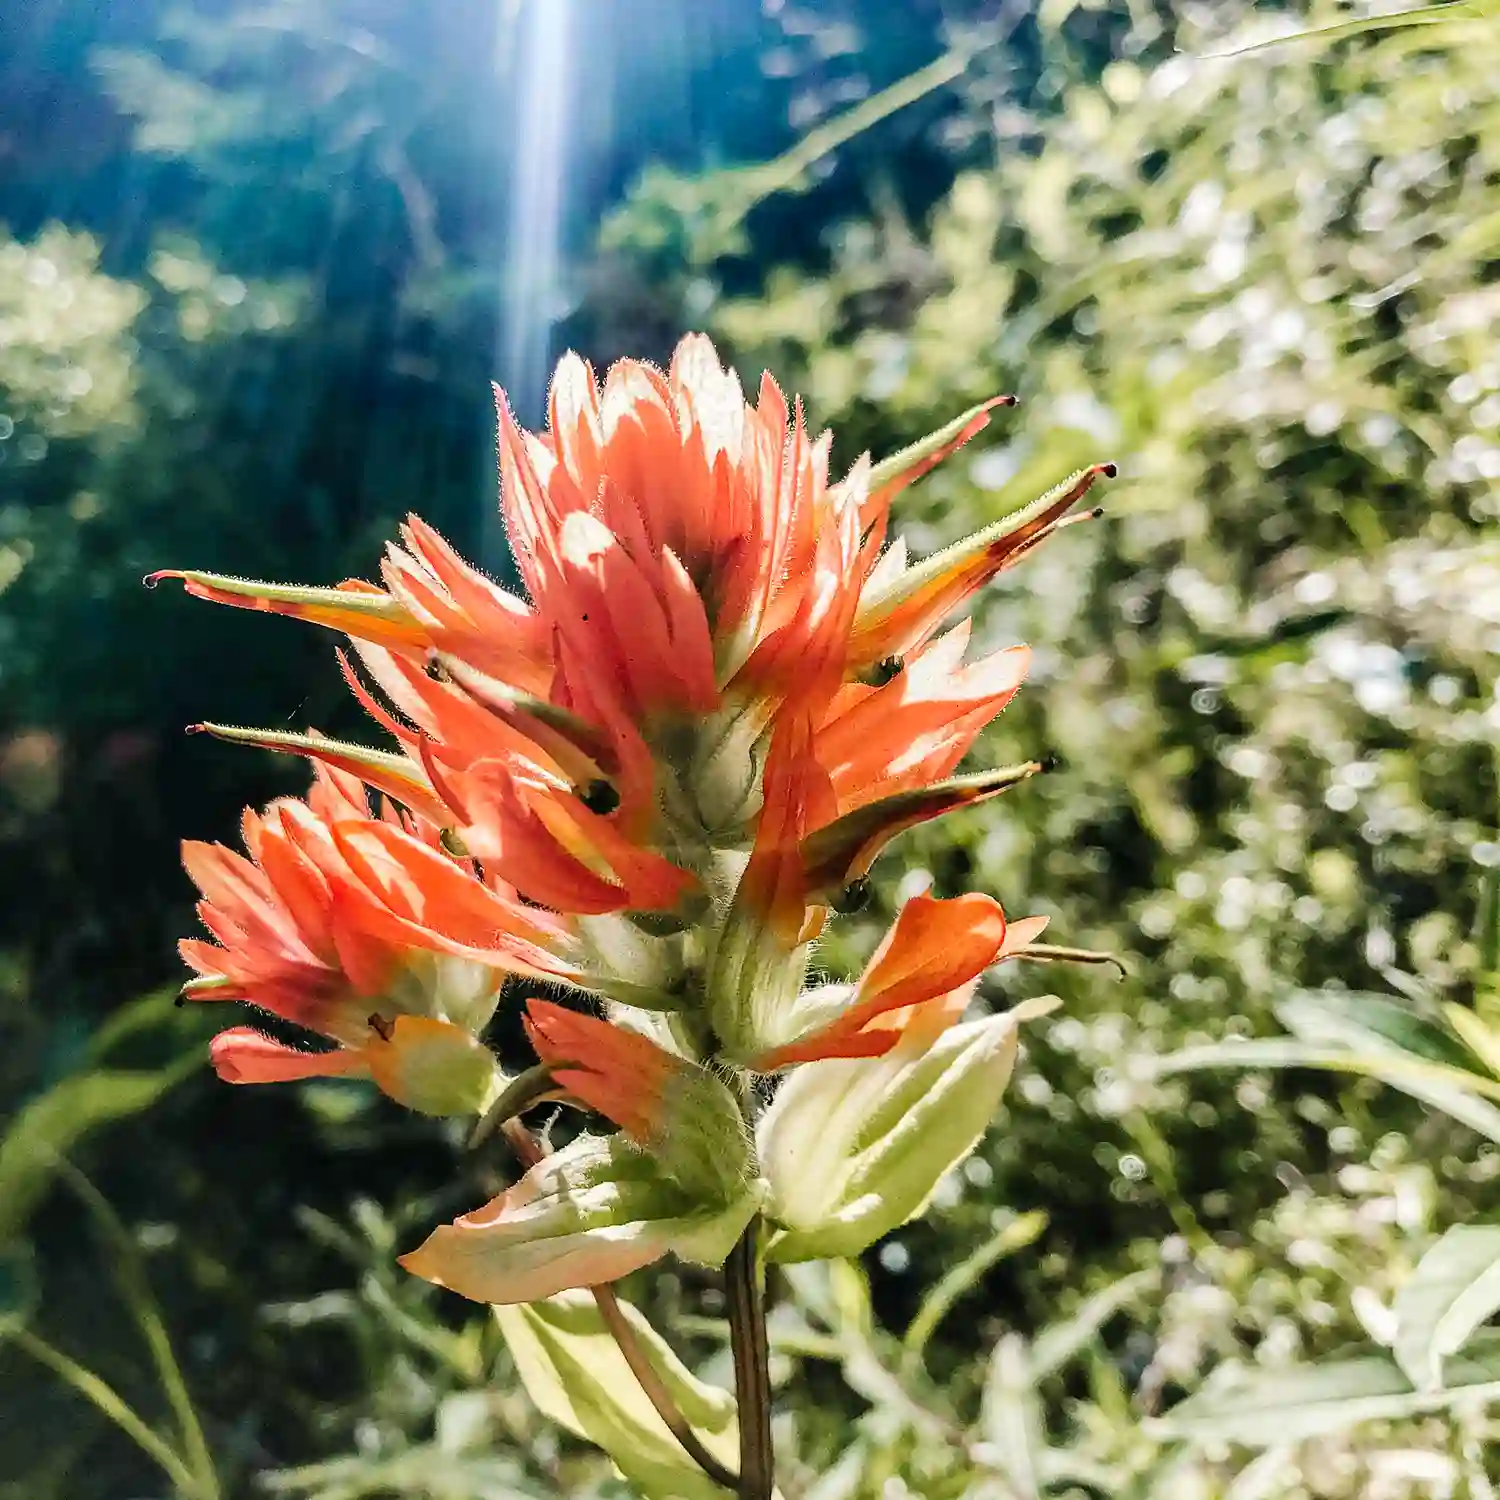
[
  {"x": 843, "y": 850},
  {"x": 919, "y": 726},
  {"x": 621, "y": 1074},
  {"x": 903, "y": 615},
  {"x": 892, "y": 475},
  {"x": 394, "y": 775},
  {"x": 355, "y": 608}
]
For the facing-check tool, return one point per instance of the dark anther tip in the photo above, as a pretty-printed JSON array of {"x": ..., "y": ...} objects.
[
  {"x": 888, "y": 669},
  {"x": 1109, "y": 470},
  {"x": 854, "y": 897},
  {"x": 152, "y": 579},
  {"x": 180, "y": 1001},
  {"x": 600, "y": 797},
  {"x": 1097, "y": 511},
  {"x": 1051, "y": 761}
]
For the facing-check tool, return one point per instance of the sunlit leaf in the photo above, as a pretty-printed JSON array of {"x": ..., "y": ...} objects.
[
  {"x": 1010, "y": 1419},
  {"x": 1454, "y": 1288},
  {"x": 575, "y": 1373},
  {"x": 1262, "y": 1407}
]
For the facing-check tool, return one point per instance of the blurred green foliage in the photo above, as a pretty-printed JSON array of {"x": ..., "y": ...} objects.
[{"x": 247, "y": 315}]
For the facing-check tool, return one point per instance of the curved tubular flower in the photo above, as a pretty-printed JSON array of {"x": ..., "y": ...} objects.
[
  {"x": 653, "y": 778},
  {"x": 917, "y": 983}
]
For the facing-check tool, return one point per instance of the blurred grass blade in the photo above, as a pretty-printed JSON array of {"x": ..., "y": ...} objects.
[
  {"x": 1011, "y": 1419},
  {"x": 1401, "y": 1072},
  {"x": 849, "y": 1292},
  {"x": 1261, "y": 1408},
  {"x": 1454, "y": 1288},
  {"x": 1445, "y": 11},
  {"x": 112, "y": 1405},
  {"x": 789, "y": 169},
  {"x": 845, "y": 1480},
  {"x": 135, "y": 1290},
  {"x": 47, "y": 1128},
  {"x": 144, "y": 1013},
  {"x": 1060, "y": 1343},
  {"x": 1015, "y": 1235},
  {"x": 1487, "y": 925}
]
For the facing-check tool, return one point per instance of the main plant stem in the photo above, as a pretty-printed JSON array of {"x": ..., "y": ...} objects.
[
  {"x": 529, "y": 1149},
  {"x": 752, "y": 1367}
]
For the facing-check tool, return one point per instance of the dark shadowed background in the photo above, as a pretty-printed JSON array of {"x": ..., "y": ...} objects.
[{"x": 259, "y": 262}]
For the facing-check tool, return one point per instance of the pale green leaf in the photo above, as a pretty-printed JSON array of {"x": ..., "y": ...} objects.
[
  {"x": 1376, "y": 1024},
  {"x": 1011, "y": 1420},
  {"x": 1260, "y": 1408},
  {"x": 1366, "y": 1022},
  {"x": 1454, "y": 1288},
  {"x": 1447, "y": 1088},
  {"x": 576, "y": 1375},
  {"x": 1480, "y": 1038}
]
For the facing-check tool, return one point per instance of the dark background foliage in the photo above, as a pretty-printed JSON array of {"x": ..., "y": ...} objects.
[{"x": 258, "y": 265}]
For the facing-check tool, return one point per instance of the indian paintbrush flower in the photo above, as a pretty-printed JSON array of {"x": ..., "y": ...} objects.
[{"x": 647, "y": 785}]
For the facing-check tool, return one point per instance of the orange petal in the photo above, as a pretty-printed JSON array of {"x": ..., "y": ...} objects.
[
  {"x": 621, "y": 1074},
  {"x": 244, "y": 1055}
]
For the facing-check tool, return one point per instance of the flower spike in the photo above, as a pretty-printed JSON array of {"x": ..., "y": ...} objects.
[{"x": 654, "y": 778}]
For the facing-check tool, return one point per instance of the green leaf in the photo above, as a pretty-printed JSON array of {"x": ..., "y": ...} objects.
[
  {"x": 1376, "y": 1024},
  {"x": 575, "y": 1373},
  {"x": 49, "y": 1126},
  {"x": 1455, "y": 1288},
  {"x": 1262, "y": 1408},
  {"x": 1366, "y": 1022},
  {"x": 1447, "y": 1088}
]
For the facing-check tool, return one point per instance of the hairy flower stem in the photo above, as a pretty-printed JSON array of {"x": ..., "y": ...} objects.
[
  {"x": 752, "y": 1370},
  {"x": 530, "y": 1151}
]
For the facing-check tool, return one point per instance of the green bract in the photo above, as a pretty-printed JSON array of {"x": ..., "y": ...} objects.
[{"x": 853, "y": 1149}]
